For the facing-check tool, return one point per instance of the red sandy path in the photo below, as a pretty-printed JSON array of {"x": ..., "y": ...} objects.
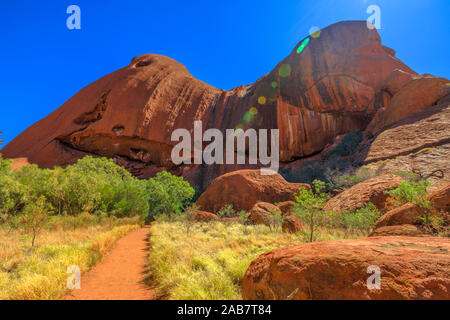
[{"x": 119, "y": 275}]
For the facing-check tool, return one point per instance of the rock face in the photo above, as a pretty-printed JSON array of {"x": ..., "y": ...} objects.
[
  {"x": 334, "y": 86},
  {"x": 291, "y": 224},
  {"x": 261, "y": 213},
  {"x": 420, "y": 142},
  {"x": 359, "y": 195},
  {"x": 411, "y": 268},
  {"x": 244, "y": 188}
]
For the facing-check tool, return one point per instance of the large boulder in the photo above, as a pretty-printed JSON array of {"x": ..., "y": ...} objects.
[
  {"x": 262, "y": 212},
  {"x": 411, "y": 268},
  {"x": 329, "y": 89},
  {"x": 291, "y": 224},
  {"x": 371, "y": 190},
  {"x": 244, "y": 188}
]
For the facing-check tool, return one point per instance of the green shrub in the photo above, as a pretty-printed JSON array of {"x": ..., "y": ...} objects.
[
  {"x": 362, "y": 219},
  {"x": 411, "y": 191},
  {"x": 168, "y": 194}
]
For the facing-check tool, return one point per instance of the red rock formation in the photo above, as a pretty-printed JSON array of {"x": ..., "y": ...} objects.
[
  {"x": 420, "y": 142},
  {"x": 333, "y": 87},
  {"x": 416, "y": 95},
  {"x": 411, "y": 213},
  {"x": 400, "y": 230},
  {"x": 243, "y": 188},
  {"x": 19, "y": 163},
  {"x": 204, "y": 216},
  {"x": 359, "y": 195},
  {"x": 411, "y": 268},
  {"x": 261, "y": 213},
  {"x": 291, "y": 224}
]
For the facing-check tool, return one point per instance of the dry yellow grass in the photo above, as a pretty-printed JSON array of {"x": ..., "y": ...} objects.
[
  {"x": 209, "y": 260},
  {"x": 40, "y": 273}
]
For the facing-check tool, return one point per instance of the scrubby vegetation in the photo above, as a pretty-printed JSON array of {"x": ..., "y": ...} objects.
[
  {"x": 309, "y": 208},
  {"x": 54, "y": 218},
  {"x": 210, "y": 263}
]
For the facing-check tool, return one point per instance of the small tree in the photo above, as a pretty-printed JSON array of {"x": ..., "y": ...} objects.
[
  {"x": 35, "y": 216},
  {"x": 308, "y": 208}
]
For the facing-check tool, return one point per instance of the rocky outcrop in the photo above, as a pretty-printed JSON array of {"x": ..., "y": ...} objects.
[
  {"x": 291, "y": 224},
  {"x": 400, "y": 230},
  {"x": 359, "y": 195},
  {"x": 243, "y": 188},
  {"x": 262, "y": 212},
  {"x": 411, "y": 268},
  {"x": 334, "y": 86},
  {"x": 417, "y": 95},
  {"x": 204, "y": 216},
  {"x": 411, "y": 213}
]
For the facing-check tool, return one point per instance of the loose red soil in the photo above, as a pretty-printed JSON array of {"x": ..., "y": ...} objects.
[{"x": 119, "y": 276}]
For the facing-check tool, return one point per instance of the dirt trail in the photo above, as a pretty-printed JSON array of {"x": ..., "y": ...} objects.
[{"x": 119, "y": 275}]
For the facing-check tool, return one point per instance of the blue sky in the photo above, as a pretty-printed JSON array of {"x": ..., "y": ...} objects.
[{"x": 224, "y": 43}]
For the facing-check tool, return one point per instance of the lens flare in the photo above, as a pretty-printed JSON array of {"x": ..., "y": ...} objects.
[
  {"x": 274, "y": 84},
  {"x": 247, "y": 117},
  {"x": 262, "y": 100},
  {"x": 303, "y": 45},
  {"x": 253, "y": 111},
  {"x": 314, "y": 32},
  {"x": 285, "y": 70}
]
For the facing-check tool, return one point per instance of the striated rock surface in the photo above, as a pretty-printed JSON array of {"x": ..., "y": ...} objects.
[
  {"x": 359, "y": 195},
  {"x": 244, "y": 188},
  {"x": 400, "y": 230},
  {"x": 411, "y": 268},
  {"x": 334, "y": 86}
]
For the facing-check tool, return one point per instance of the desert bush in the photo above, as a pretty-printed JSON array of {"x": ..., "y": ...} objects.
[
  {"x": 168, "y": 195},
  {"x": 362, "y": 219},
  {"x": 411, "y": 191}
]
